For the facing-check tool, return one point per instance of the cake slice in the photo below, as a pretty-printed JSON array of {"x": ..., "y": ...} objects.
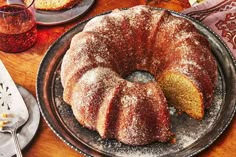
[
  {"x": 182, "y": 93},
  {"x": 53, "y": 4}
]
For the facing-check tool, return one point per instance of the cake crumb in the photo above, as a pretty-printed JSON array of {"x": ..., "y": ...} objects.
[
  {"x": 4, "y": 115},
  {"x": 2, "y": 123}
]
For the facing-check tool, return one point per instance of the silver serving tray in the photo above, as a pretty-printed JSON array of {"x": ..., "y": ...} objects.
[{"x": 192, "y": 136}]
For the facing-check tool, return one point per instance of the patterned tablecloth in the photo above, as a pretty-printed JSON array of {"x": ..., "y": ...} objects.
[{"x": 220, "y": 16}]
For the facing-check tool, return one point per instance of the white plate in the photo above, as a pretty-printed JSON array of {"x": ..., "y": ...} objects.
[
  {"x": 59, "y": 17},
  {"x": 27, "y": 132}
]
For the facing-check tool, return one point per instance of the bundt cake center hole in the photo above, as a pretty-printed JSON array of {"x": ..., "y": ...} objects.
[{"x": 140, "y": 76}]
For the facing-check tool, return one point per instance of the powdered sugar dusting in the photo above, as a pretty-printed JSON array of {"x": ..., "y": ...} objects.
[
  {"x": 127, "y": 100},
  {"x": 184, "y": 35},
  {"x": 174, "y": 22},
  {"x": 187, "y": 133},
  {"x": 187, "y": 61},
  {"x": 98, "y": 75},
  {"x": 91, "y": 77},
  {"x": 172, "y": 110},
  {"x": 96, "y": 79},
  {"x": 149, "y": 92},
  {"x": 99, "y": 59}
]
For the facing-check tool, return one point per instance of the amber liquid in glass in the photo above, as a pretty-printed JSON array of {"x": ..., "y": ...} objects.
[{"x": 20, "y": 33}]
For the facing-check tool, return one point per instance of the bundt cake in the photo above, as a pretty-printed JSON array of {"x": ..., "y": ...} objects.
[{"x": 113, "y": 45}]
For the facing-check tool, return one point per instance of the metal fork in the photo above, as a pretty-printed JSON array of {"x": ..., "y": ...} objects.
[{"x": 12, "y": 129}]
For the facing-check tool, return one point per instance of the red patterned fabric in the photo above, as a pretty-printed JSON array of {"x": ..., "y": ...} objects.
[{"x": 220, "y": 16}]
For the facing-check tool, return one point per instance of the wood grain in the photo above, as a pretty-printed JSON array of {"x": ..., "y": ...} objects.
[{"x": 23, "y": 68}]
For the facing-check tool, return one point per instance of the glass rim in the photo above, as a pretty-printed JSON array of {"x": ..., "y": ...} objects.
[{"x": 25, "y": 7}]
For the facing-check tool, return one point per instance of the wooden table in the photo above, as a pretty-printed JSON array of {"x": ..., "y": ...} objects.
[{"x": 23, "y": 68}]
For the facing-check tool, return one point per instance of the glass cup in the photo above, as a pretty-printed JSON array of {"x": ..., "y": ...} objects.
[{"x": 18, "y": 30}]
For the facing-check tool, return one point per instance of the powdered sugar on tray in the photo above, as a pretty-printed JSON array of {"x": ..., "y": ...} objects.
[
  {"x": 140, "y": 77},
  {"x": 186, "y": 129}
]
